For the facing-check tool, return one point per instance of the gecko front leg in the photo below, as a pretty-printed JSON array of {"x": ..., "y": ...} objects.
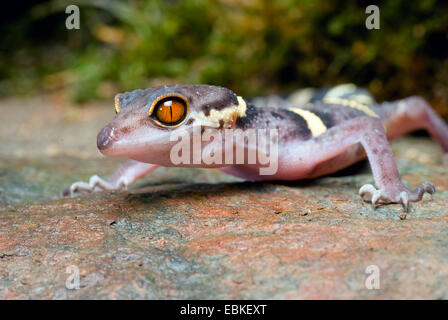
[
  {"x": 368, "y": 132},
  {"x": 127, "y": 174}
]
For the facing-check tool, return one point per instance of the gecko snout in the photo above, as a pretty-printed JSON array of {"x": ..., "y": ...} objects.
[{"x": 106, "y": 137}]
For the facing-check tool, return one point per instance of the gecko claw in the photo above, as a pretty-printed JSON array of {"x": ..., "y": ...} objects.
[
  {"x": 95, "y": 184},
  {"x": 123, "y": 183},
  {"x": 375, "y": 198},
  {"x": 395, "y": 194},
  {"x": 404, "y": 199},
  {"x": 370, "y": 194}
]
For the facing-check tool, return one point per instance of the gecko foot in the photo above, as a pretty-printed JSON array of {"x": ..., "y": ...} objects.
[
  {"x": 395, "y": 194},
  {"x": 95, "y": 184}
]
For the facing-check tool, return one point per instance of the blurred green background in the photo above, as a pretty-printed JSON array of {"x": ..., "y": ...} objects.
[{"x": 250, "y": 46}]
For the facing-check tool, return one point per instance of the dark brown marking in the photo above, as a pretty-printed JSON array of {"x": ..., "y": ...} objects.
[
  {"x": 301, "y": 126},
  {"x": 126, "y": 130},
  {"x": 227, "y": 99},
  {"x": 251, "y": 115},
  {"x": 277, "y": 115}
]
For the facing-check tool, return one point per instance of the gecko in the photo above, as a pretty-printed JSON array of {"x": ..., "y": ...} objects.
[{"x": 320, "y": 132}]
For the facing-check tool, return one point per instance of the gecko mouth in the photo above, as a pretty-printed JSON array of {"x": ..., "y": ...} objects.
[
  {"x": 142, "y": 143},
  {"x": 114, "y": 142}
]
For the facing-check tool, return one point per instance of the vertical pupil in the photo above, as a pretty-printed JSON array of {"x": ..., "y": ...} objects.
[{"x": 169, "y": 109}]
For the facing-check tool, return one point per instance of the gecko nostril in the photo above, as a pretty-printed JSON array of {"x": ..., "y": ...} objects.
[
  {"x": 113, "y": 134},
  {"x": 105, "y": 137}
]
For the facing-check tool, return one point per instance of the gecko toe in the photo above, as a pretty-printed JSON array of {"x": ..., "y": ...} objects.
[
  {"x": 95, "y": 183},
  {"x": 395, "y": 194},
  {"x": 404, "y": 199},
  {"x": 375, "y": 198},
  {"x": 424, "y": 187},
  {"x": 370, "y": 194},
  {"x": 66, "y": 192},
  {"x": 429, "y": 187},
  {"x": 123, "y": 183},
  {"x": 366, "y": 192}
]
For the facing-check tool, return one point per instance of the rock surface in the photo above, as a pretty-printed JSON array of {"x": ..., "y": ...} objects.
[{"x": 198, "y": 234}]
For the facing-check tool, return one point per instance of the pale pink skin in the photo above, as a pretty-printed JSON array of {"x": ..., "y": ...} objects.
[{"x": 337, "y": 148}]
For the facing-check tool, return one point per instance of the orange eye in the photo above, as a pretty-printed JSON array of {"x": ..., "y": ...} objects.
[{"x": 170, "y": 110}]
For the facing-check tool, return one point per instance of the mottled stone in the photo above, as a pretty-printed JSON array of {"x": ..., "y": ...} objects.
[{"x": 192, "y": 233}]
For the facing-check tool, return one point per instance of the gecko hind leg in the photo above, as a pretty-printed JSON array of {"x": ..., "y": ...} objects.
[{"x": 412, "y": 114}]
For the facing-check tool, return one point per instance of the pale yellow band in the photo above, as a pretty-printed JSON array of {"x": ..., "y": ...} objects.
[{"x": 315, "y": 124}]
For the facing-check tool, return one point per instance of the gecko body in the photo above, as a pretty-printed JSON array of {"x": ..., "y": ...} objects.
[{"x": 318, "y": 132}]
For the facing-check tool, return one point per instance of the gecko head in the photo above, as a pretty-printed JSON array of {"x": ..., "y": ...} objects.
[{"x": 145, "y": 119}]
